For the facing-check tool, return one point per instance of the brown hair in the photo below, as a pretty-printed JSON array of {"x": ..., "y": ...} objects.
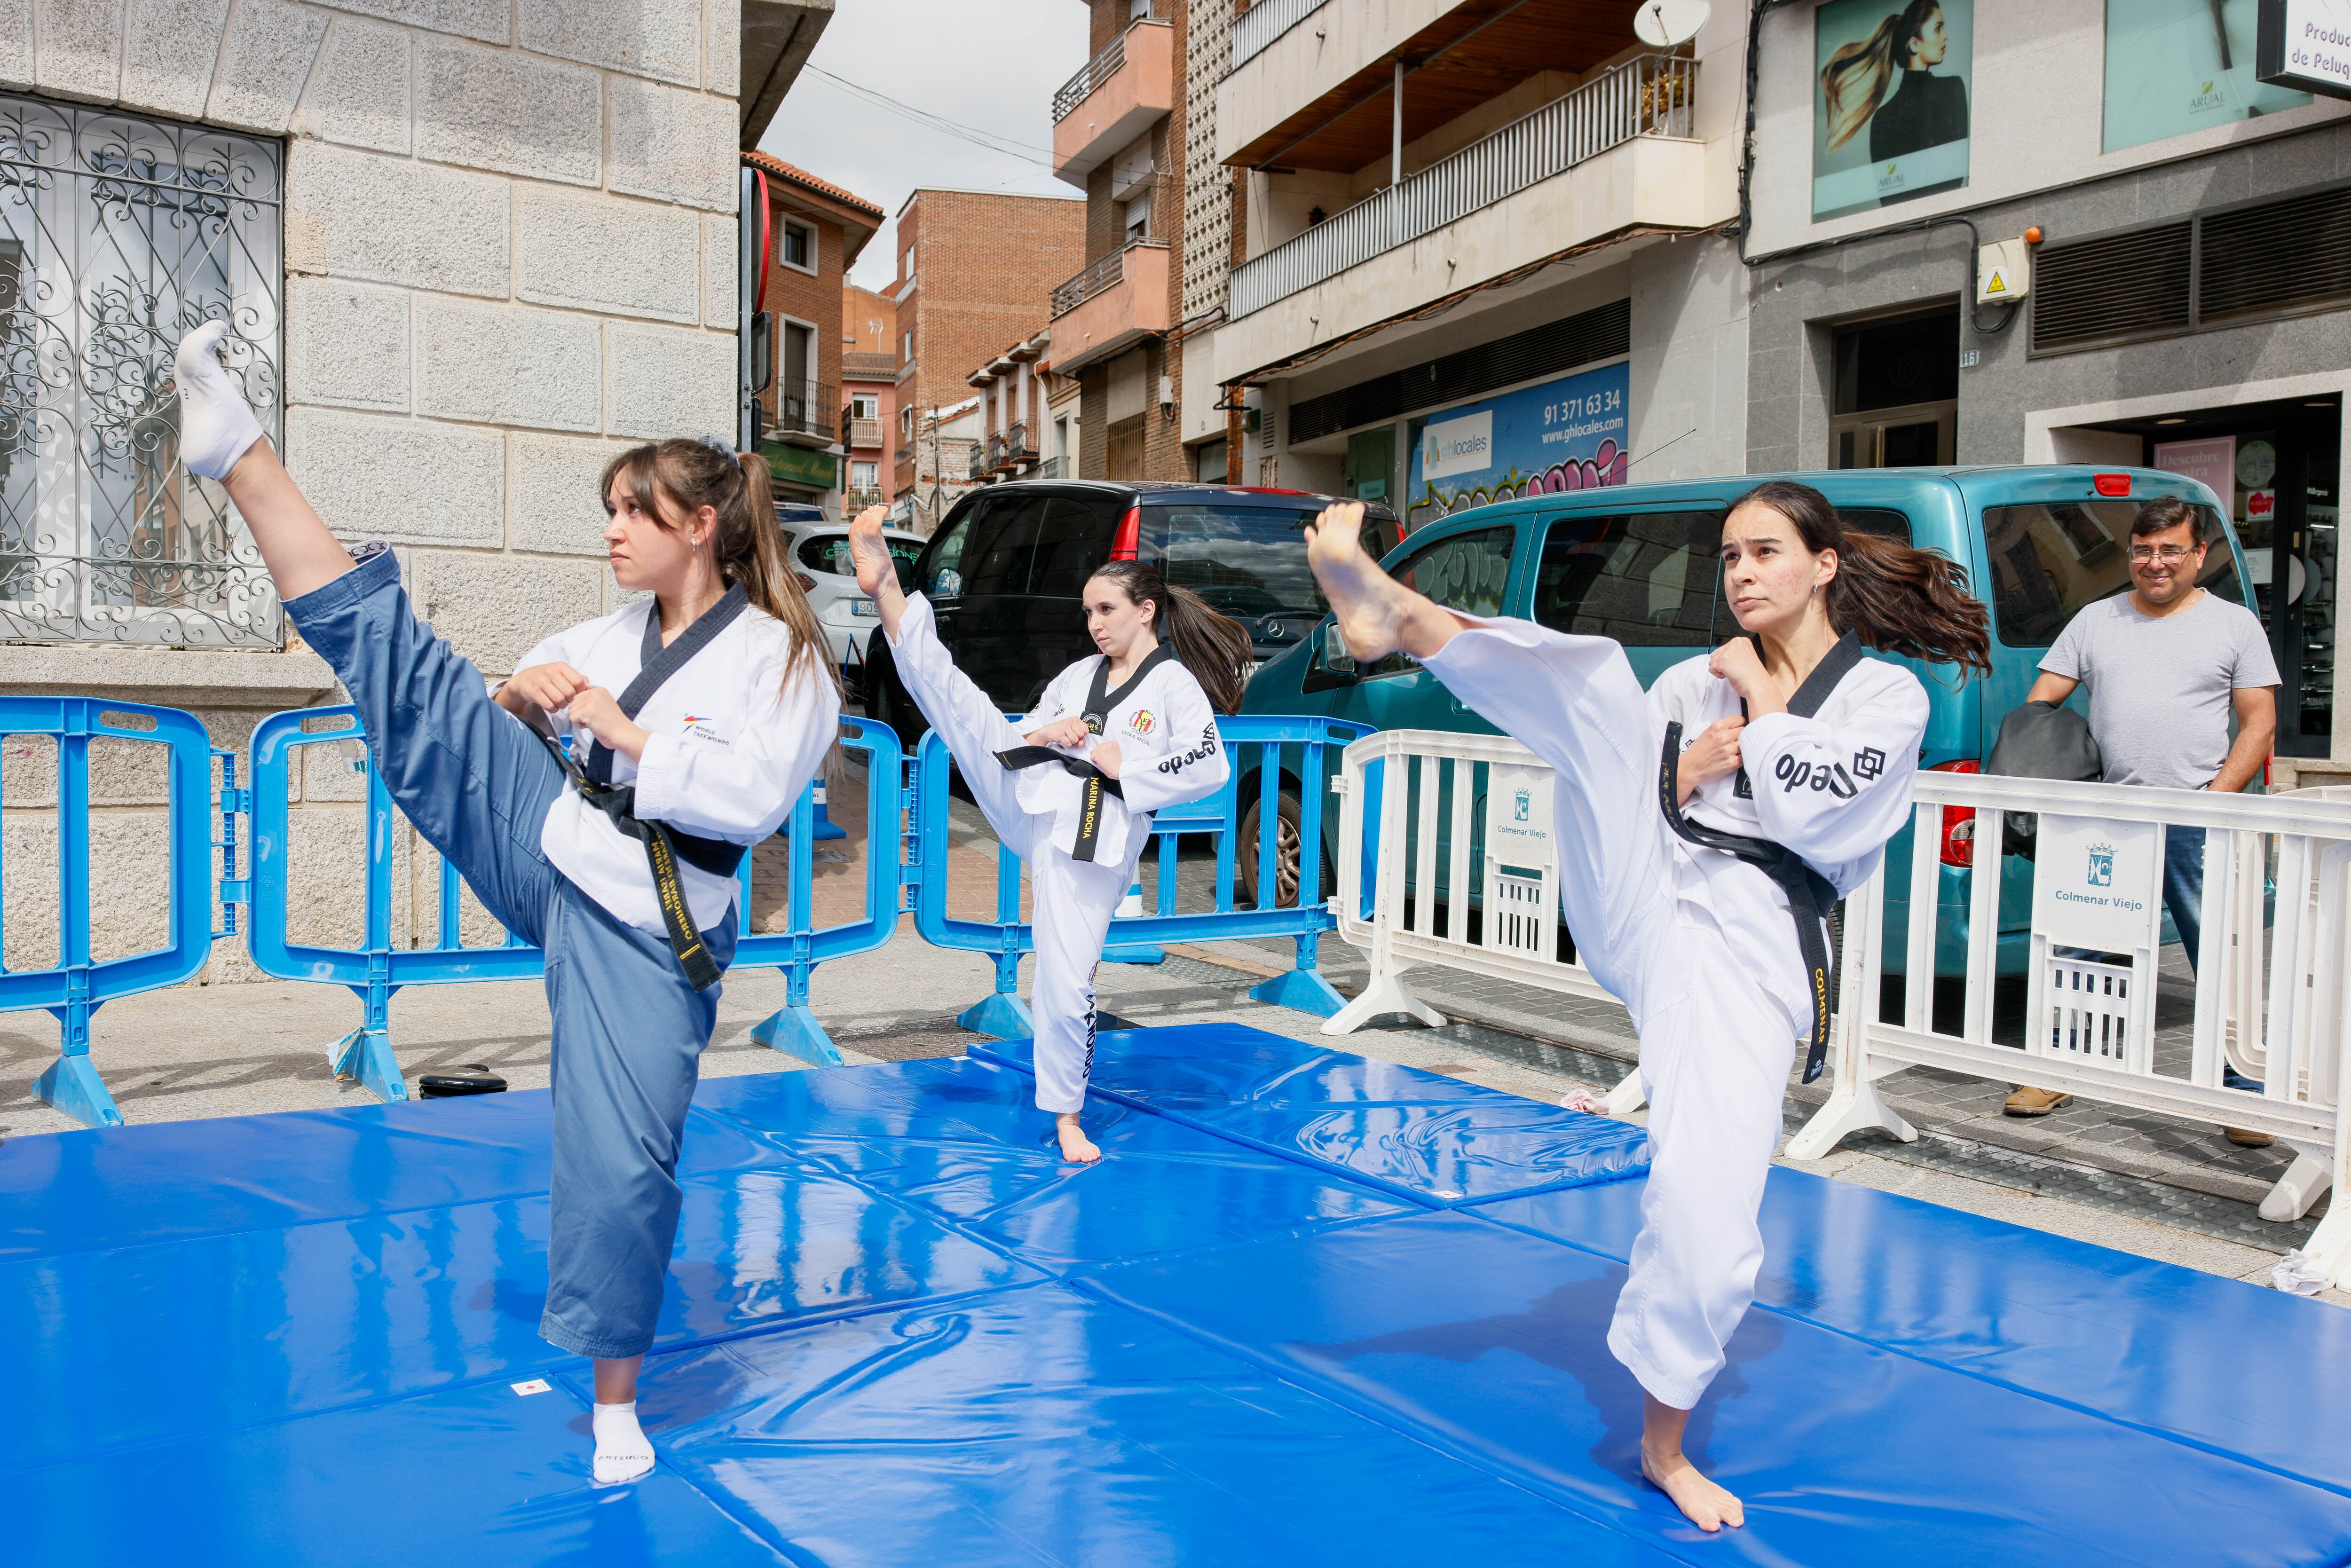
[
  {"x": 1896, "y": 599},
  {"x": 1215, "y": 648},
  {"x": 2170, "y": 512},
  {"x": 1854, "y": 79},
  {"x": 745, "y": 546}
]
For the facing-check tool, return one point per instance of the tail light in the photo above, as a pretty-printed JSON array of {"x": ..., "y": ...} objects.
[
  {"x": 1959, "y": 821},
  {"x": 1127, "y": 543},
  {"x": 807, "y": 583}
]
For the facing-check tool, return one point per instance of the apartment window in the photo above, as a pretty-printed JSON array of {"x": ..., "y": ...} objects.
[
  {"x": 906, "y": 348},
  {"x": 907, "y": 421},
  {"x": 864, "y": 405},
  {"x": 1137, "y": 10},
  {"x": 865, "y": 475},
  {"x": 1138, "y": 218},
  {"x": 117, "y": 235},
  {"x": 795, "y": 246}
]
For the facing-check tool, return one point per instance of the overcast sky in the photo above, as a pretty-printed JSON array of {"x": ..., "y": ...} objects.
[{"x": 993, "y": 67}]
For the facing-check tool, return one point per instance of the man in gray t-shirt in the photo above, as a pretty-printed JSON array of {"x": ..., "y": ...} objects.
[{"x": 2167, "y": 665}]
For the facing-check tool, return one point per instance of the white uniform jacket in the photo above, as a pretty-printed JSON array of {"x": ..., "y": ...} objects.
[
  {"x": 1169, "y": 754},
  {"x": 732, "y": 747},
  {"x": 1833, "y": 787}
]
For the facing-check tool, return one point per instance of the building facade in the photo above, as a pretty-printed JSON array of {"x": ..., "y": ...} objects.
[
  {"x": 868, "y": 393},
  {"x": 468, "y": 251},
  {"x": 816, "y": 231},
  {"x": 1028, "y": 424},
  {"x": 1119, "y": 134},
  {"x": 1472, "y": 253},
  {"x": 976, "y": 271},
  {"x": 2187, "y": 305}
]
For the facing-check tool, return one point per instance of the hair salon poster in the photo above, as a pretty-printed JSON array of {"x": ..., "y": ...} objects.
[
  {"x": 1891, "y": 85},
  {"x": 1567, "y": 434}
]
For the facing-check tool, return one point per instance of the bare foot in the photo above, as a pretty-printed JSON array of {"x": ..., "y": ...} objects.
[
  {"x": 870, "y": 550},
  {"x": 1076, "y": 1147},
  {"x": 1369, "y": 604},
  {"x": 1707, "y": 1505}
]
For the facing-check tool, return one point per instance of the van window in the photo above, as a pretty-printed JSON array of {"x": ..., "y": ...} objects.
[
  {"x": 2050, "y": 559},
  {"x": 1469, "y": 572},
  {"x": 1647, "y": 579},
  {"x": 996, "y": 559},
  {"x": 1249, "y": 562},
  {"x": 1073, "y": 540}
]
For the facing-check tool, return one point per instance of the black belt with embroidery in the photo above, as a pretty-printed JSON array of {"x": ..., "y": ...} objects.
[
  {"x": 1090, "y": 805},
  {"x": 664, "y": 846},
  {"x": 1810, "y": 895}
]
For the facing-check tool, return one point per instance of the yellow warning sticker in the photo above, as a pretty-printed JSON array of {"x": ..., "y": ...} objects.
[{"x": 1997, "y": 282}]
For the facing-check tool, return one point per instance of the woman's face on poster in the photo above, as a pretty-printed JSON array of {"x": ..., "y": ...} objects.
[{"x": 1931, "y": 43}]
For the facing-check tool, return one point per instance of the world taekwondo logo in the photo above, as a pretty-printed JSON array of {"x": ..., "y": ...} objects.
[
  {"x": 2102, "y": 865},
  {"x": 1525, "y": 803}
]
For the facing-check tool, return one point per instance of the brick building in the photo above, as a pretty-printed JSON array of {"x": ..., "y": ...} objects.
[
  {"x": 817, "y": 232},
  {"x": 1119, "y": 134},
  {"x": 975, "y": 272},
  {"x": 869, "y": 392},
  {"x": 468, "y": 255}
]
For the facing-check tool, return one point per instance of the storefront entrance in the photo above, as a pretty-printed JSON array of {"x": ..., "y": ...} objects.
[
  {"x": 1896, "y": 392},
  {"x": 2277, "y": 467}
]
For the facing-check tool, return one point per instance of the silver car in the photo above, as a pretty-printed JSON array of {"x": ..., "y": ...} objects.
[{"x": 819, "y": 551}]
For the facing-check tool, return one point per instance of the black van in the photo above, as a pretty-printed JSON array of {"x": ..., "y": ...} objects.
[{"x": 1006, "y": 574}]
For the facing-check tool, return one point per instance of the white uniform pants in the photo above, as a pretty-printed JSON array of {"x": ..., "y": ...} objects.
[
  {"x": 1715, "y": 1049},
  {"x": 1074, "y": 899}
]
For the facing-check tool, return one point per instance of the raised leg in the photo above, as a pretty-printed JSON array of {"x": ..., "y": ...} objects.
[{"x": 967, "y": 721}]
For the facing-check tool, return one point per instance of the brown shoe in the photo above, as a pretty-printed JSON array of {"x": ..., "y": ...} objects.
[
  {"x": 2032, "y": 1102},
  {"x": 2245, "y": 1138}
]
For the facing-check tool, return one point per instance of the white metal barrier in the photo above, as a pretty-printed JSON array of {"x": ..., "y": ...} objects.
[{"x": 2274, "y": 959}]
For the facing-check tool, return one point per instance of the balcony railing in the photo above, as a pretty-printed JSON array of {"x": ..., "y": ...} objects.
[
  {"x": 1103, "y": 273},
  {"x": 1052, "y": 468},
  {"x": 1648, "y": 96},
  {"x": 855, "y": 501},
  {"x": 805, "y": 408},
  {"x": 1018, "y": 447},
  {"x": 1099, "y": 70},
  {"x": 856, "y": 431},
  {"x": 1264, "y": 21}
]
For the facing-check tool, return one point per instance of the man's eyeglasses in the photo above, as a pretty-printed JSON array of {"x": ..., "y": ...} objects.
[{"x": 2170, "y": 555}]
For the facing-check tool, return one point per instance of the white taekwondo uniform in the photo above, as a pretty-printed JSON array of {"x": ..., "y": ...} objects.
[
  {"x": 1169, "y": 754},
  {"x": 1698, "y": 945}
]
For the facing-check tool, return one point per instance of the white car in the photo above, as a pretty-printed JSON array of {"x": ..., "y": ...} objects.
[{"x": 819, "y": 551}]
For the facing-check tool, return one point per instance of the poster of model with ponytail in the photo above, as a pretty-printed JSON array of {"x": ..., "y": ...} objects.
[{"x": 1890, "y": 102}]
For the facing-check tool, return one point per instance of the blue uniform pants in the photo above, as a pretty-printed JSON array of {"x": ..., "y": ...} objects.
[{"x": 628, "y": 1028}]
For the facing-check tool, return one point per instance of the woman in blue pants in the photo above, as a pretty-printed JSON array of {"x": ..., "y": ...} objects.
[{"x": 698, "y": 714}]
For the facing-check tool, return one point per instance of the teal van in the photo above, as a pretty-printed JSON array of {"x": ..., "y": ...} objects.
[{"x": 1637, "y": 563}]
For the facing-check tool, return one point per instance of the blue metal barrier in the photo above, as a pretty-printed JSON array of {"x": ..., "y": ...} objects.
[
  {"x": 1263, "y": 746},
  {"x": 801, "y": 947},
  {"x": 375, "y": 970},
  {"x": 76, "y": 987}
]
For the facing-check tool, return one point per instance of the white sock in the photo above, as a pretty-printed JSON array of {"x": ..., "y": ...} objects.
[
  {"x": 623, "y": 1452},
  {"x": 215, "y": 425}
]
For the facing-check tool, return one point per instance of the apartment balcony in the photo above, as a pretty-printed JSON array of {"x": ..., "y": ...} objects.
[
  {"x": 855, "y": 501},
  {"x": 1018, "y": 445},
  {"x": 1115, "y": 303},
  {"x": 1052, "y": 468},
  {"x": 857, "y": 434},
  {"x": 804, "y": 412},
  {"x": 1122, "y": 91},
  {"x": 1614, "y": 154}
]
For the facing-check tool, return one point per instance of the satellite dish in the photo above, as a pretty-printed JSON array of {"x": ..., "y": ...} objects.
[{"x": 1668, "y": 23}]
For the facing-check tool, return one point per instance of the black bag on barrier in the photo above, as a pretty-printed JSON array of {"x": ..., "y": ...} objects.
[{"x": 2041, "y": 740}]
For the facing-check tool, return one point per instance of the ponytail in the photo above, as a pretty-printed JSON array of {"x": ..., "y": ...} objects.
[
  {"x": 1853, "y": 81},
  {"x": 1897, "y": 599},
  {"x": 746, "y": 545},
  {"x": 1215, "y": 648}
]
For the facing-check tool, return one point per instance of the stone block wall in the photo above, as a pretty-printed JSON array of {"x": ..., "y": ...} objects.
[{"x": 510, "y": 233}]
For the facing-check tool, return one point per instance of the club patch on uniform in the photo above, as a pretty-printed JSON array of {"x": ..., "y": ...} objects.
[
  {"x": 1141, "y": 723},
  {"x": 693, "y": 719}
]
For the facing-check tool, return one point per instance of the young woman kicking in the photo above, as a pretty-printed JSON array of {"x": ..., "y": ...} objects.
[
  {"x": 704, "y": 711},
  {"x": 1071, "y": 791},
  {"x": 1802, "y": 758}
]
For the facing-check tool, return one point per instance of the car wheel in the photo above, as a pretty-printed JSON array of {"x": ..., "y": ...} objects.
[{"x": 1285, "y": 848}]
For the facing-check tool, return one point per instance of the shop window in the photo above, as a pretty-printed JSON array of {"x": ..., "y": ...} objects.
[
  {"x": 2174, "y": 67},
  {"x": 118, "y": 235},
  {"x": 1896, "y": 392}
]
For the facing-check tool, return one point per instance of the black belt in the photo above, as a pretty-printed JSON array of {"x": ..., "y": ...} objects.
[
  {"x": 1090, "y": 805},
  {"x": 1810, "y": 895},
  {"x": 664, "y": 848}
]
